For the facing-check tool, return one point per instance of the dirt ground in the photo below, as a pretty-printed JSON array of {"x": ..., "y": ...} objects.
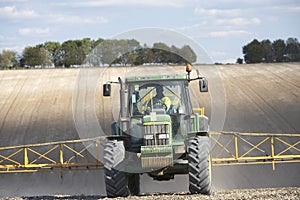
[
  {"x": 62, "y": 104},
  {"x": 264, "y": 194}
]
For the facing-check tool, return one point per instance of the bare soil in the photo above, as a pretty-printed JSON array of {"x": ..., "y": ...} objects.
[
  {"x": 263, "y": 194},
  {"x": 62, "y": 104}
]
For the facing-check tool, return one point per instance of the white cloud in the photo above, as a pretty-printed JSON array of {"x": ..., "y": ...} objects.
[
  {"x": 218, "y": 12},
  {"x": 210, "y": 31},
  {"x": 239, "y": 21},
  {"x": 152, "y": 3},
  {"x": 13, "y": 12},
  {"x": 255, "y": 4},
  {"x": 34, "y": 31},
  {"x": 198, "y": 26},
  {"x": 13, "y": 1},
  {"x": 17, "y": 49},
  {"x": 72, "y": 19},
  {"x": 286, "y": 8},
  {"x": 230, "y": 60},
  {"x": 229, "y": 33},
  {"x": 9, "y": 43},
  {"x": 6, "y": 38}
]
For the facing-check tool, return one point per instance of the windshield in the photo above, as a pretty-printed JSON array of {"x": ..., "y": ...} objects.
[{"x": 166, "y": 96}]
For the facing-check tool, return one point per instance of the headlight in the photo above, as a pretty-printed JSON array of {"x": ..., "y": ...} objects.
[
  {"x": 149, "y": 137},
  {"x": 163, "y": 136}
]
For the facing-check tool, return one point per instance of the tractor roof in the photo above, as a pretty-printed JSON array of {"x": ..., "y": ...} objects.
[{"x": 156, "y": 78}]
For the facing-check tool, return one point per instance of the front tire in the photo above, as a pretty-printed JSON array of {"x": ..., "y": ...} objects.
[
  {"x": 115, "y": 177},
  {"x": 199, "y": 165}
]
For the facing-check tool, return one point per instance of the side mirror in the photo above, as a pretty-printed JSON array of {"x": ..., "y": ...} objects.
[
  {"x": 106, "y": 90},
  {"x": 203, "y": 84}
]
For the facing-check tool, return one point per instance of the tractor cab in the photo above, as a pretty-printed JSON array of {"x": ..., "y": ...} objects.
[
  {"x": 159, "y": 103},
  {"x": 160, "y": 97}
]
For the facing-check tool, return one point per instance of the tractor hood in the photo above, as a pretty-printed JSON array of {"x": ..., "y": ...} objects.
[{"x": 154, "y": 117}]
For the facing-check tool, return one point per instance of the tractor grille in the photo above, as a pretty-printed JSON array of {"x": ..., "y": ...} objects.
[{"x": 157, "y": 134}]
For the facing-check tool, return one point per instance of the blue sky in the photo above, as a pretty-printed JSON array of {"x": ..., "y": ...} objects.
[{"x": 221, "y": 27}]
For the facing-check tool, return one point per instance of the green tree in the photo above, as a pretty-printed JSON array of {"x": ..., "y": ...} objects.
[
  {"x": 95, "y": 43},
  {"x": 279, "y": 50},
  {"x": 84, "y": 48},
  {"x": 293, "y": 49},
  {"x": 175, "y": 58},
  {"x": 30, "y": 56},
  {"x": 145, "y": 55},
  {"x": 94, "y": 57},
  {"x": 187, "y": 53},
  {"x": 74, "y": 52},
  {"x": 55, "y": 51},
  {"x": 114, "y": 52},
  {"x": 69, "y": 53},
  {"x": 8, "y": 59},
  {"x": 44, "y": 57},
  {"x": 107, "y": 52},
  {"x": 253, "y": 52},
  {"x": 239, "y": 61},
  {"x": 161, "y": 52},
  {"x": 103, "y": 52},
  {"x": 36, "y": 56},
  {"x": 138, "y": 57},
  {"x": 268, "y": 53},
  {"x": 127, "y": 50}
]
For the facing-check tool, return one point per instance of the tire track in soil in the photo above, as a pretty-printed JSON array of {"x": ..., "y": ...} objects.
[
  {"x": 274, "y": 121},
  {"x": 247, "y": 93},
  {"x": 81, "y": 103},
  {"x": 263, "y": 106},
  {"x": 32, "y": 106},
  {"x": 88, "y": 106},
  {"x": 287, "y": 76},
  {"x": 273, "y": 115},
  {"x": 47, "y": 107},
  {"x": 284, "y": 80},
  {"x": 37, "y": 115},
  {"x": 14, "y": 96},
  {"x": 289, "y": 81}
]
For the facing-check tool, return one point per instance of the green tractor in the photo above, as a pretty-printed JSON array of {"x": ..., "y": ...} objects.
[{"x": 158, "y": 134}]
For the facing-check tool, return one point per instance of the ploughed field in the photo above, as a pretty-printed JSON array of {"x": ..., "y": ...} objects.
[
  {"x": 62, "y": 104},
  {"x": 264, "y": 193}
]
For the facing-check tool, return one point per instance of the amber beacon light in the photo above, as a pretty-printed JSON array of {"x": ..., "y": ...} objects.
[{"x": 188, "y": 68}]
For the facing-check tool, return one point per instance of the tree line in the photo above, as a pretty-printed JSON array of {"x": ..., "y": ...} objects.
[
  {"x": 88, "y": 52},
  {"x": 266, "y": 51}
]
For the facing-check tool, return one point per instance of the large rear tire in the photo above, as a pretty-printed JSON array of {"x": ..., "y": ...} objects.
[
  {"x": 134, "y": 184},
  {"x": 115, "y": 177},
  {"x": 199, "y": 165}
]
